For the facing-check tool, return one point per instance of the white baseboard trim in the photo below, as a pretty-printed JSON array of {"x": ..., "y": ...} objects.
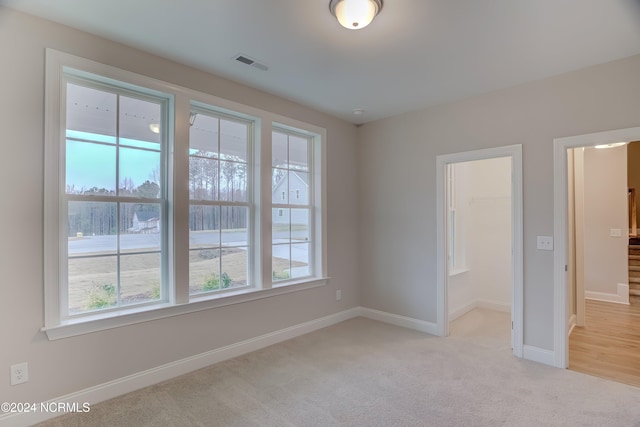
[
  {"x": 622, "y": 297},
  {"x": 461, "y": 311},
  {"x": 494, "y": 305},
  {"x": 572, "y": 323},
  {"x": 539, "y": 355},
  {"x": 394, "y": 319},
  {"x": 486, "y": 304},
  {"x": 161, "y": 373}
]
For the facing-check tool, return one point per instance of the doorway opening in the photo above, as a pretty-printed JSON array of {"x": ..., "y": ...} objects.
[
  {"x": 479, "y": 199},
  {"x": 603, "y": 312},
  {"x": 582, "y": 228}
]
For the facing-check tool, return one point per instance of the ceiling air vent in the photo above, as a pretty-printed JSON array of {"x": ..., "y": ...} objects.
[{"x": 250, "y": 61}]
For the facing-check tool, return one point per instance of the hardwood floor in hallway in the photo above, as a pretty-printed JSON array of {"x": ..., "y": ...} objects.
[{"x": 609, "y": 345}]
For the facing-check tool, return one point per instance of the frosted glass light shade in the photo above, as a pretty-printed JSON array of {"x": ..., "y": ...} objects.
[
  {"x": 612, "y": 145},
  {"x": 355, "y": 14}
]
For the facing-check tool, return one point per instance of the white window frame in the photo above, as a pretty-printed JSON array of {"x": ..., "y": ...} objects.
[
  {"x": 212, "y": 111},
  {"x": 451, "y": 218},
  {"x": 312, "y": 202},
  {"x": 456, "y": 259},
  {"x": 83, "y": 79},
  {"x": 178, "y": 301}
]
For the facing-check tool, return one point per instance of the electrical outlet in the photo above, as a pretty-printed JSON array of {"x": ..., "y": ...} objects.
[
  {"x": 545, "y": 243},
  {"x": 338, "y": 295},
  {"x": 19, "y": 373}
]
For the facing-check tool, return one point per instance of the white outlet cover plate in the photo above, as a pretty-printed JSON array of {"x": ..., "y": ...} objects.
[
  {"x": 19, "y": 373},
  {"x": 545, "y": 243}
]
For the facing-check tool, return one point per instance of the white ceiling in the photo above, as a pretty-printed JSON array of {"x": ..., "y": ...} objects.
[{"x": 416, "y": 53}]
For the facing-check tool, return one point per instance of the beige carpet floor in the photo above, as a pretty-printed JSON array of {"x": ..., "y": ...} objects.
[{"x": 366, "y": 373}]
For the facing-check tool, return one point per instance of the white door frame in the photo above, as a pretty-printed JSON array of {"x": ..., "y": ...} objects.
[
  {"x": 560, "y": 211},
  {"x": 515, "y": 153}
]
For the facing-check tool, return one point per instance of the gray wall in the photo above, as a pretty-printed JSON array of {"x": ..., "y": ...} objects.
[
  {"x": 385, "y": 170},
  {"x": 398, "y": 228},
  {"x": 64, "y": 366},
  {"x": 605, "y": 208}
]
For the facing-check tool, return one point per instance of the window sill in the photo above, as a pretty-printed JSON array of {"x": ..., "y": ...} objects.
[
  {"x": 125, "y": 317},
  {"x": 458, "y": 271}
]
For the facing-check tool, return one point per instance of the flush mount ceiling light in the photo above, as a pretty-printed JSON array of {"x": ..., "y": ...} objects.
[
  {"x": 355, "y": 14},
  {"x": 615, "y": 144}
]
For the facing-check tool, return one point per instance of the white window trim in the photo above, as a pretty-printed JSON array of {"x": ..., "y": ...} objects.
[
  {"x": 214, "y": 111},
  {"x": 317, "y": 193},
  {"x": 312, "y": 157},
  {"x": 179, "y": 302},
  {"x": 458, "y": 271},
  {"x": 166, "y": 146},
  {"x": 126, "y": 317},
  {"x": 456, "y": 257}
]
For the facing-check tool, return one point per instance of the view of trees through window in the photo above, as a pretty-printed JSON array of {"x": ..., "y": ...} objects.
[
  {"x": 157, "y": 199},
  {"x": 291, "y": 214},
  {"x": 114, "y": 199},
  {"x": 219, "y": 208},
  {"x": 115, "y": 160}
]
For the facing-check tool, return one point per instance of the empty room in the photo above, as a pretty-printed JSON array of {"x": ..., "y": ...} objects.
[{"x": 319, "y": 213}]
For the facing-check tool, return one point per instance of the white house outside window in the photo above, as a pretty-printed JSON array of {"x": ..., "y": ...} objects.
[{"x": 292, "y": 175}]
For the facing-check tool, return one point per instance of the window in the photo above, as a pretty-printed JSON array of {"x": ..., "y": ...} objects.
[
  {"x": 153, "y": 210},
  {"x": 219, "y": 202},
  {"x": 457, "y": 203},
  {"x": 451, "y": 217},
  {"x": 291, "y": 234},
  {"x": 115, "y": 198}
]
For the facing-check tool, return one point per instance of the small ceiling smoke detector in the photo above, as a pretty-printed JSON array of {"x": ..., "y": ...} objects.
[
  {"x": 358, "y": 111},
  {"x": 247, "y": 60}
]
